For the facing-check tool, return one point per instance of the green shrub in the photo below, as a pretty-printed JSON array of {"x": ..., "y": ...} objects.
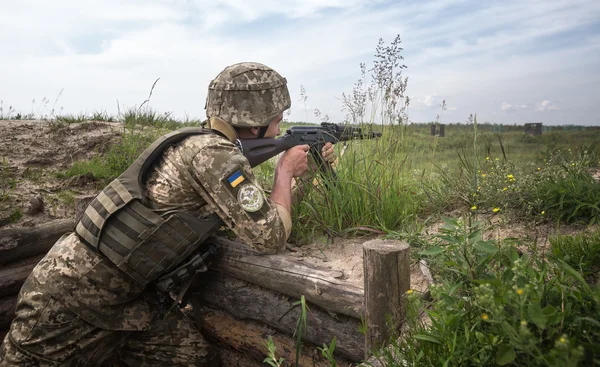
[
  {"x": 494, "y": 306},
  {"x": 562, "y": 188}
]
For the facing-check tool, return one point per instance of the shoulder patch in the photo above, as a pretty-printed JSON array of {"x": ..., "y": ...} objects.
[
  {"x": 235, "y": 179},
  {"x": 251, "y": 198}
]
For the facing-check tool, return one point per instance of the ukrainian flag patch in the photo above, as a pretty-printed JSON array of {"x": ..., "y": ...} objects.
[{"x": 236, "y": 179}]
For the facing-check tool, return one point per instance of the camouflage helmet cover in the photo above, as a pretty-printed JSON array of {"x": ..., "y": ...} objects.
[{"x": 247, "y": 94}]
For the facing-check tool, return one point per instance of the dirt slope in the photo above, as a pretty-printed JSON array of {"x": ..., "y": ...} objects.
[{"x": 32, "y": 153}]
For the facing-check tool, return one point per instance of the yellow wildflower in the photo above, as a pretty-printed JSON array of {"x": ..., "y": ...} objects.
[
  {"x": 543, "y": 212},
  {"x": 572, "y": 164},
  {"x": 504, "y": 189},
  {"x": 539, "y": 169},
  {"x": 496, "y": 210},
  {"x": 483, "y": 175},
  {"x": 485, "y": 317},
  {"x": 510, "y": 177},
  {"x": 520, "y": 291},
  {"x": 523, "y": 323},
  {"x": 474, "y": 207},
  {"x": 487, "y": 158},
  {"x": 410, "y": 291}
]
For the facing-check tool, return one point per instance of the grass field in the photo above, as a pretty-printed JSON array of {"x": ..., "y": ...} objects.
[{"x": 496, "y": 301}]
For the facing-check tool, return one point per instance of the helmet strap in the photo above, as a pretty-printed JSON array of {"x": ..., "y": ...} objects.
[{"x": 262, "y": 131}]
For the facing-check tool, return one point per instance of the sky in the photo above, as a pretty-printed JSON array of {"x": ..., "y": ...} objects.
[{"x": 509, "y": 62}]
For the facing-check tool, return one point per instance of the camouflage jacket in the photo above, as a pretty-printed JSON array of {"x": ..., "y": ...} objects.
[{"x": 98, "y": 292}]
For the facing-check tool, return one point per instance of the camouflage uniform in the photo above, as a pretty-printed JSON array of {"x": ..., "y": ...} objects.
[{"x": 78, "y": 308}]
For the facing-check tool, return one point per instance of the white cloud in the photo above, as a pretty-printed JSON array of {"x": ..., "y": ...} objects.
[
  {"x": 510, "y": 107},
  {"x": 430, "y": 100},
  {"x": 546, "y": 105}
]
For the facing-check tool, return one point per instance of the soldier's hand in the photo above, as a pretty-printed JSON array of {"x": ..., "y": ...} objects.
[
  {"x": 328, "y": 153},
  {"x": 295, "y": 160}
]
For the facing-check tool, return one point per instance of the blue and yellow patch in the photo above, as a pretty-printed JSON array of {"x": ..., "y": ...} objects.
[{"x": 236, "y": 179}]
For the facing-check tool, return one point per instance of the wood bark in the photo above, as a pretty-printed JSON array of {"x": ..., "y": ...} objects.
[
  {"x": 232, "y": 358},
  {"x": 250, "y": 338},
  {"x": 22, "y": 242},
  {"x": 250, "y": 302},
  {"x": 290, "y": 276},
  {"x": 387, "y": 278},
  {"x": 12, "y": 276},
  {"x": 7, "y": 311}
]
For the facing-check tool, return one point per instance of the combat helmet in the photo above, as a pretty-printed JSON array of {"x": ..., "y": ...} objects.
[{"x": 247, "y": 94}]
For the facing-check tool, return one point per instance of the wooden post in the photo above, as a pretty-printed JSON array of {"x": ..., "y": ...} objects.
[{"x": 387, "y": 278}]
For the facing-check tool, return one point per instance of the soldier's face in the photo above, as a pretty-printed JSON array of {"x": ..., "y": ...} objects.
[{"x": 273, "y": 130}]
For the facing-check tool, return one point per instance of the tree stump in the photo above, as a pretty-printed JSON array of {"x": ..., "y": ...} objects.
[{"x": 387, "y": 278}]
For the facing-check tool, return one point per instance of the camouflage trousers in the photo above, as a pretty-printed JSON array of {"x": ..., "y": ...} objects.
[{"x": 45, "y": 333}]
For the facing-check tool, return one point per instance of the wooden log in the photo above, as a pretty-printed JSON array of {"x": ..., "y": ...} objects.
[
  {"x": 290, "y": 276},
  {"x": 232, "y": 358},
  {"x": 7, "y": 311},
  {"x": 250, "y": 338},
  {"x": 13, "y": 276},
  {"x": 250, "y": 302},
  {"x": 20, "y": 243},
  {"x": 387, "y": 278}
]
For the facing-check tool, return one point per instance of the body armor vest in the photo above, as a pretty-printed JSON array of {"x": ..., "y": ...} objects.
[{"x": 141, "y": 243}]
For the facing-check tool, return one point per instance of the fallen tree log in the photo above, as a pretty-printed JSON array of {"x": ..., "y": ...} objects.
[
  {"x": 250, "y": 302},
  {"x": 23, "y": 242},
  {"x": 7, "y": 311},
  {"x": 13, "y": 276},
  {"x": 290, "y": 276},
  {"x": 233, "y": 358},
  {"x": 250, "y": 338}
]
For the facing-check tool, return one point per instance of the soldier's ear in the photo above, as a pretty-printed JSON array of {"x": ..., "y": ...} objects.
[{"x": 255, "y": 131}]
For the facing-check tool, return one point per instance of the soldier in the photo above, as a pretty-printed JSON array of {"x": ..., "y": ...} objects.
[{"x": 94, "y": 295}]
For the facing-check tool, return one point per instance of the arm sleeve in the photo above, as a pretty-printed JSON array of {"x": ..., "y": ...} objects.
[{"x": 221, "y": 172}]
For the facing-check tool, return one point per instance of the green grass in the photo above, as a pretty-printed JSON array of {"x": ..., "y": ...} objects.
[
  {"x": 71, "y": 119},
  {"x": 580, "y": 251},
  {"x": 96, "y": 167},
  {"x": 571, "y": 197},
  {"x": 66, "y": 196}
]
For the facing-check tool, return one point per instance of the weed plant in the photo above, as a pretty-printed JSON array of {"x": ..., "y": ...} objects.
[{"x": 493, "y": 305}]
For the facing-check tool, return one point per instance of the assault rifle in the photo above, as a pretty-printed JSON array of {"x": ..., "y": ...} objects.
[{"x": 258, "y": 151}]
